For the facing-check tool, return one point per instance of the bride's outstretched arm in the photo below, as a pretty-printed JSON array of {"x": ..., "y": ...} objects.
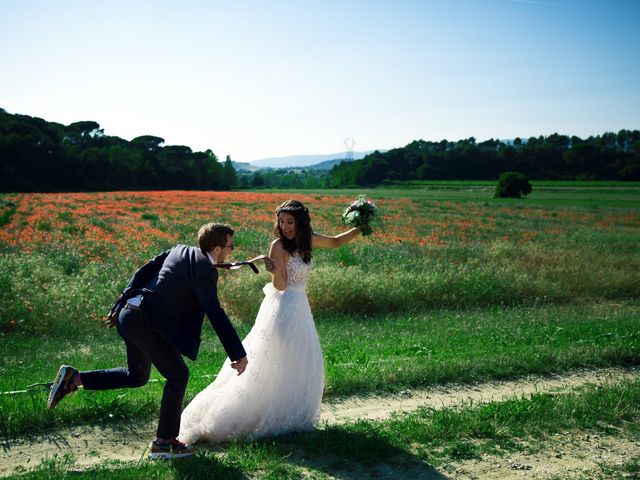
[
  {"x": 278, "y": 256},
  {"x": 324, "y": 241}
]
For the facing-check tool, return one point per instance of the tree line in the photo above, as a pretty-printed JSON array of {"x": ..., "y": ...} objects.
[
  {"x": 41, "y": 156},
  {"x": 284, "y": 178},
  {"x": 610, "y": 156}
]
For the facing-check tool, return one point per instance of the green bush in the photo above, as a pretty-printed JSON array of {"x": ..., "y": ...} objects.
[{"x": 512, "y": 185}]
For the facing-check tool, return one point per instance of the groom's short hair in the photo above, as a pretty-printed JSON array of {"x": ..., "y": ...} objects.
[{"x": 212, "y": 235}]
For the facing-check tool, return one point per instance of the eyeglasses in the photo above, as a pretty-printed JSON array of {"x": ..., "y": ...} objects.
[{"x": 230, "y": 247}]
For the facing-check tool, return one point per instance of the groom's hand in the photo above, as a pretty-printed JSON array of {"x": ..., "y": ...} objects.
[
  {"x": 240, "y": 365},
  {"x": 268, "y": 264},
  {"x": 110, "y": 320}
]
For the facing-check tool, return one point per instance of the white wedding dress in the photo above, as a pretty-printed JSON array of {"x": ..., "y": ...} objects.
[{"x": 281, "y": 389}]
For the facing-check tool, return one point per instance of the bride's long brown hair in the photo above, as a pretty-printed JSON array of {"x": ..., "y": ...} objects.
[{"x": 302, "y": 242}]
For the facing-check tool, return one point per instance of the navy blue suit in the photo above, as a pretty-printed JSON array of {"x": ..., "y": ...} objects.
[
  {"x": 178, "y": 287},
  {"x": 184, "y": 289}
]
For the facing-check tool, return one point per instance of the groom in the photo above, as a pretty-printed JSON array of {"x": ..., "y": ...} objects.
[{"x": 159, "y": 315}]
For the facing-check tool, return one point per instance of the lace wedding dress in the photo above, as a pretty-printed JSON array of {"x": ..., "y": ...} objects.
[{"x": 281, "y": 389}]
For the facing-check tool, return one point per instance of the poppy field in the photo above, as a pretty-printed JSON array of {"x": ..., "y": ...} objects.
[{"x": 429, "y": 254}]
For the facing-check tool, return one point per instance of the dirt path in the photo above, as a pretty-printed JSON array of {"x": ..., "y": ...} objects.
[
  {"x": 381, "y": 407},
  {"x": 93, "y": 445},
  {"x": 564, "y": 457}
]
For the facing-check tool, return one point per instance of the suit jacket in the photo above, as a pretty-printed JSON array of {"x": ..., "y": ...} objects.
[{"x": 179, "y": 286}]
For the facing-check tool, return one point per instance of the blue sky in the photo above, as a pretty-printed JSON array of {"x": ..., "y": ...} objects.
[{"x": 261, "y": 79}]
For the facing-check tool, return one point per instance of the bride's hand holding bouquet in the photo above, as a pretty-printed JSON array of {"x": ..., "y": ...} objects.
[{"x": 362, "y": 213}]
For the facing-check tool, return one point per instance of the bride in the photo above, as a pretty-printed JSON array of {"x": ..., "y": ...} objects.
[{"x": 281, "y": 389}]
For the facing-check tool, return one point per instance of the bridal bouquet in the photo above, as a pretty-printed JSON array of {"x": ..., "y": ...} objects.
[{"x": 361, "y": 213}]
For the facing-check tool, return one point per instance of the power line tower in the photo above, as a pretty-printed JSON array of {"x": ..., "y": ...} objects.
[{"x": 349, "y": 143}]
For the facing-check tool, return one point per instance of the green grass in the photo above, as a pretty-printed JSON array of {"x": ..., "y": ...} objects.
[
  {"x": 581, "y": 267},
  {"x": 362, "y": 355},
  {"x": 548, "y": 194},
  {"x": 489, "y": 183},
  {"x": 417, "y": 443},
  {"x": 394, "y": 352}
]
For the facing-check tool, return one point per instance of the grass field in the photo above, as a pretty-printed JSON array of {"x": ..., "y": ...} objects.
[
  {"x": 460, "y": 287},
  {"x": 547, "y": 193}
]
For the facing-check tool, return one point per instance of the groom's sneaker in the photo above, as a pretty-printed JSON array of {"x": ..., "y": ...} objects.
[
  {"x": 62, "y": 385},
  {"x": 171, "y": 449}
]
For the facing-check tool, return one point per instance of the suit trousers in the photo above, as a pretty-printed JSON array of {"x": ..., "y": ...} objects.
[{"x": 146, "y": 346}]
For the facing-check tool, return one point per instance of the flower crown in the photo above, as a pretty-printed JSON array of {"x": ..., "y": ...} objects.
[{"x": 292, "y": 208}]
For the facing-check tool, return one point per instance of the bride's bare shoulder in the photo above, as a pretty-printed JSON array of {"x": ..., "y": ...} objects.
[
  {"x": 277, "y": 249},
  {"x": 277, "y": 245}
]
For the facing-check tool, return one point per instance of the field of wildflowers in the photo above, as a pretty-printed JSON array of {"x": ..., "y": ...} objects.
[{"x": 71, "y": 253}]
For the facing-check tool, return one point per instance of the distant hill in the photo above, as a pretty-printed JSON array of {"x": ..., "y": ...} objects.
[
  {"x": 244, "y": 167},
  {"x": 327, "y": 164},
  {"x": 304, "y": 160}
]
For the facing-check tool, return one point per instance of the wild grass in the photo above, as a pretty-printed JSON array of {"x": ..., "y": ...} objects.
[
  {"x": 363, "y": 354},
  {"x": 433, "y": 255},
  {"x": 547, "y": 194}
]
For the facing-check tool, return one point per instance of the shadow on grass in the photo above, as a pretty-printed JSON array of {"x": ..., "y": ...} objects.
[
  {"x": 355, "y": 451},
  {"x": 206, "y": 466},
  {"x": 358, "y": 451},
  {"x": 201, "y": 466}
]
